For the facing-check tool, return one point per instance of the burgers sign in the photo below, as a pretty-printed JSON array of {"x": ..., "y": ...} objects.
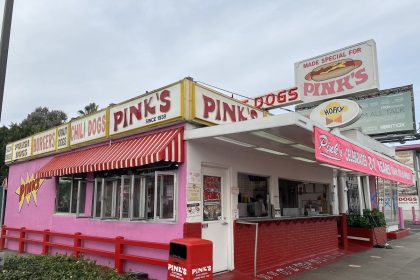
[{"x": 346, "y": 71}]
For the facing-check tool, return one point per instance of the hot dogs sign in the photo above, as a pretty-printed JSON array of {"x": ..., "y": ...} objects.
[{"x": 346, "y": 71}]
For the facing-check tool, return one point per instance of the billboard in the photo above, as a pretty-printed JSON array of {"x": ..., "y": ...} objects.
[
  {"x": 388, "y": 111},
  {"x": 338, "y": 73}
]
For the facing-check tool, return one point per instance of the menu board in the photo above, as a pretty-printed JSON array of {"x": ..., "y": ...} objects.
[{"x": 212, "y": 198}]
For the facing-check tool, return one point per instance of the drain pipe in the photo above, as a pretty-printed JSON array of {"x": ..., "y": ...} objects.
[{"x": 255, "y": 243}]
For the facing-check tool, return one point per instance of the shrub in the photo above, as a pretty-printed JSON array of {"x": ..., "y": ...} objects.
[
  {"x": 37, "y": 267},
  {"x": 369, "y": 219}
]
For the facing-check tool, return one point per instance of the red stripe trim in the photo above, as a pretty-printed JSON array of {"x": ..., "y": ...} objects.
[{"x": 166, "y": 145}]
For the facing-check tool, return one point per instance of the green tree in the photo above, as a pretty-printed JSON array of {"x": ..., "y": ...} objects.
[
  {"x": 39, "y": 120},
  {"x": 89, "y": 109}
]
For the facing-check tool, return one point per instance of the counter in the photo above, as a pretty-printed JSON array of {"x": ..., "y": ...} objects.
[{"x": 282, "y": 240}]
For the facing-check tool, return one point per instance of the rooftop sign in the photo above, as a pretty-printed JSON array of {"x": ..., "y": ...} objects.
[{"x": 342, "y": 72}]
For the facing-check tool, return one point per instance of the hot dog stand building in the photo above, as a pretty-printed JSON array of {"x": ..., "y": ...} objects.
[{"x": 187, "y": 161}]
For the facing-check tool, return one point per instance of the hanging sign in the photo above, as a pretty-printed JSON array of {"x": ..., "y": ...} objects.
[
  {"x": 334, "y": 150},
  {"x": 276, "y": 99},
  {"x": 336, "y": 113},
  {"x": 342, "y": 72}
]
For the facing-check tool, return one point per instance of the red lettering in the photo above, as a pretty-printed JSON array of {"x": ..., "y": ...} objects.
[
  {"x": 361, "y": 76},
  {"x": 293, "y": 94},
  {"x": 118, "y": 118},
  {"x": 343, "y": 83},
  {"x": 218, "y": 110},
  {"x": 149, "y": 109},
  {"x": 258, "y": 102},
  {"x": 328, "y": 88},
  {"x": 209, "y": 106},
  {"x": 135, "y": 111},
  {"x": 229, "y": 110},
  {"x": 269, "y": 100},
  {"x": 164, "y": 97},
  {"x": 281, "y": 96},
  {"x": 241, "y": 116}
]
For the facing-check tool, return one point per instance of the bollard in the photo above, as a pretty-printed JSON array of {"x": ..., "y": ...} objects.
[{"x": 401, "y": 217}]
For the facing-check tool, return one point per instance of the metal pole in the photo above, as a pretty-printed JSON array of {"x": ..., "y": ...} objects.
[
  {"x": 4, "y": 46},
  {"x": 255, "y": 243}
]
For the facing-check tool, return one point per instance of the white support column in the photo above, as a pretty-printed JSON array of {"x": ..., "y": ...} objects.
[
  {"x": 342, "y": 193},
  {"x": 334, "y": 193},
  {"x": 366, "y": 190},
  {"x": 360, "y": 192}
]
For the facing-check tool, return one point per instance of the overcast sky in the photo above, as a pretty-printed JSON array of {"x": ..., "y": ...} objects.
[{"x": 65, "y": 54}]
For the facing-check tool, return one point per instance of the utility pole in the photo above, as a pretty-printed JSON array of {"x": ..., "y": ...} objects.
[{"x": 4, "y": 46}]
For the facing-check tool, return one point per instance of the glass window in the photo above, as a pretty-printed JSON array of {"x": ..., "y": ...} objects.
[
  {"x": 141, "y": 196},
  {"x": 71, "y": 195},
  {"x": 63, "y": 195},
  {"x": 165, "y": 195},
  {"x": 125, "y": 198},
  {"x": 97, "y": 198}
]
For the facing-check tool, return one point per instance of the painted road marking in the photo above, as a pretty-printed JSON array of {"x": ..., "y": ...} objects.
[
  {"x": 354, "y": 265},
  {"x": 376, "y": 257}
]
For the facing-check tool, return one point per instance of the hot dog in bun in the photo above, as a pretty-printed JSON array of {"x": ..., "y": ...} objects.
[{"x": 333, "y": 70}]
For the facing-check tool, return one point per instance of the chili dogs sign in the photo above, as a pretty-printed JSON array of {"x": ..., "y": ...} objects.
[
  {"x": 88, "y": 128},
  {"x": 334, "y": 150},
  {"x": 215, "y": 108},
  {"x": 346, "y": 71},
  {"x": 336, "y": 113},
  {"x": 147, "y": 110}
]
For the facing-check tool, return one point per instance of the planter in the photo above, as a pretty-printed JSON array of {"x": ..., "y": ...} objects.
[{"x": 374, "y": 235}]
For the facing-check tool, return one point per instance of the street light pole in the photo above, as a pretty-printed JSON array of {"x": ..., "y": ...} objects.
[{"x": 4, "y": 46}]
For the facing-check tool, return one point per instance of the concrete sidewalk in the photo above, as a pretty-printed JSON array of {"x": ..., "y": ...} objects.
[{"x": 401, "y": 262}]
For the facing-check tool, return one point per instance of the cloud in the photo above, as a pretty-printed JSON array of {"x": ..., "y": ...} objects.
[{"x": 67, "y": 54}]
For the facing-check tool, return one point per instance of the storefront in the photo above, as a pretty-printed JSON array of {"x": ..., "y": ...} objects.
[{"x": 185, "y": 160}]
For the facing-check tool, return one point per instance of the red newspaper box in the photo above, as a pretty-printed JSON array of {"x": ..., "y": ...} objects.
[{"x": 190, "y": 259}]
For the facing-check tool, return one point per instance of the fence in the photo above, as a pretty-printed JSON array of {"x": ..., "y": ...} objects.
[{"x": 77, "y": 248}]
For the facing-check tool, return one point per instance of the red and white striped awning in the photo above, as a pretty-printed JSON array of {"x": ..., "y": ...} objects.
[{"x": 162, "y": 146}]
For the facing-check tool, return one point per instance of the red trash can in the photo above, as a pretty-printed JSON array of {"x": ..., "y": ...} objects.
[{"x": 190, "y": 259}]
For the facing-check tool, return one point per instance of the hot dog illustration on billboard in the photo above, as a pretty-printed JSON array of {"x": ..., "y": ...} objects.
[{"x": 343, "y": 72}]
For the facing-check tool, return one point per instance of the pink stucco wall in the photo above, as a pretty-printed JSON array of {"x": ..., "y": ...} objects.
[{"x": 42, "y": 216}]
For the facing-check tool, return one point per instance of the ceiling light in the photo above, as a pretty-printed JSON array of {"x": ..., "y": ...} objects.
[
  {"x": 243, "y": 144},
  {"x": 304, "y": 148},
  {"x": 272, "y": 137},
  {"x": 270, "y": 151},
  {"x": 303, "y": 159}
]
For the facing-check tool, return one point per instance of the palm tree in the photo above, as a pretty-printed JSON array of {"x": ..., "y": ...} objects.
[{"x": 89, "y": 109}]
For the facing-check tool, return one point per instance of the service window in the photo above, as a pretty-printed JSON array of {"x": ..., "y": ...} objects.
[{"x": 253, "y": 197}]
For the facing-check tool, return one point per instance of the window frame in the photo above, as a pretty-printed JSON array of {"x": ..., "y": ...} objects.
[
  {"x": 79, "y": 193},
  {"x": 142, "y": 197}
]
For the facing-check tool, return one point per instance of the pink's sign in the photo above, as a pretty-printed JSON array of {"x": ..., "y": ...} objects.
[{"x": 336, "y": 151}]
